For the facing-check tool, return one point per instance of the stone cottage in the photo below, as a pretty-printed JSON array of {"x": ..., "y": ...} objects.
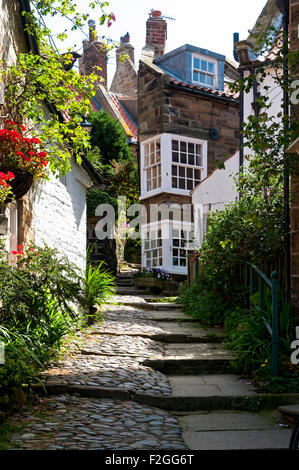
[
  {"x": 52, "y": 212},
  {"x": 188, "y": 124}
]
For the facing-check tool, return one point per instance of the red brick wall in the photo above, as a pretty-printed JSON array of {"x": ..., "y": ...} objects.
[
  {"x": 94, "y": 55},
  {"x": 156, "y": 33}
]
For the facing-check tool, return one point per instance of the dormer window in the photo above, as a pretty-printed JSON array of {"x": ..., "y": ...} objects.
[{"x": 204, "y": 71}]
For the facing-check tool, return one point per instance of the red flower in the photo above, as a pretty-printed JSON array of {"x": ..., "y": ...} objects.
[{"x": 3, "y": 176}]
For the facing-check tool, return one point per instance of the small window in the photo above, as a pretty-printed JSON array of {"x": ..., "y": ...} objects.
[{"x": 204, "y": 71}]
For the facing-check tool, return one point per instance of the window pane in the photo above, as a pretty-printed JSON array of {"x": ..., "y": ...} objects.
[
  {"x": 175, "y": 252},
  {"x": 183, "y": 158},
  {"x": 195, "y": 76},
  {"x": 149, "y": 185},
  {"x": 175, "y": 145},
  {"x": 198, "y": 161},
  {"x": 182, "y": 261},
  {"x": 190, "y": 184},
  {"x": 211, "y": 67},
  {"x": 158, "y": 157},
  {"x": 183, "y": 243},
  {"x": 196, "y": 63},
  {"x": 176, "y": 242},
  {"x": 146, "y": 161},
  {"x": 175, "y": 157},
  {"x": 182, "y": 171},
  {"x": 183, "y": 147},
  {"x": 191, "y": 160},
  {"x": 189, "y": 173},
  {"x": 202, "y": 77},
  {"x": 204, "y": 65},
  {"x": 198, "y": 149},
  {"x": 160, "y": 233},
  {"x": 174, "y": 170},
  {"x": 197, "y": 174},
  {"x": 209, "y": 80},
  {"x": 175, "y": 234},
  {"x": 146, "y": 245},
  {"x": 175, "y": 261},
  {"x": 181, "y": 183},
  {"x": 146, "y": 149},
  {"x": 190, "y": 148},
  {"x": 154, "y": 184},
  {"x": 155, "y": 171},
  {"x": 174, "y": 182}
]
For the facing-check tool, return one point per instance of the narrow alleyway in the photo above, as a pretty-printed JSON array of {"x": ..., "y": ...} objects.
[{"x": 147, "y": 377}]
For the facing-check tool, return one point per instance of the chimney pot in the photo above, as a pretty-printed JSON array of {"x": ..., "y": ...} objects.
[{"x": 156, "y": 14}]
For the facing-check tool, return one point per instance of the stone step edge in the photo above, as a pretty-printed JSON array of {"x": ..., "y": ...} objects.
[
  {"x": 167, "y": 338},
  {"x": 170, "y": 403},
  {"x": 152, "y": 306}
]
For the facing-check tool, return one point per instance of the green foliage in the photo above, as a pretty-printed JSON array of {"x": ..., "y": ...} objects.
[
  {"x": 99, "y": 284},
  {"x": 253, "y": 404},
  {"x": 133, "y": 250},
  {"x": 112, "y": 158},
  {"x": 287, "y": 383},
  {"x": 38, "y": 276},
  {"x": 108, "y": 134},
  {"x": 250, "y": 340},
  {"x": 37, "y": 292},
  {"x": 209, "y": 307}
]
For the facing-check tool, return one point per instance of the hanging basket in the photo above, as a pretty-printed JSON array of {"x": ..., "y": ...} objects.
[{"x": 21, "y": 184}]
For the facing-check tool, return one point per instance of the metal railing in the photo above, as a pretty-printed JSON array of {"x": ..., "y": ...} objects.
[{"x": 274, "y": 286}]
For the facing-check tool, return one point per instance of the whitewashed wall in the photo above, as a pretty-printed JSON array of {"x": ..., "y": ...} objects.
[
  {"x": 59, "y": 214},
  {"x": 213, "y": 193}
]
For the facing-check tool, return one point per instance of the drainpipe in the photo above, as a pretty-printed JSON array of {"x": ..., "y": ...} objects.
[{"x": 283, "y": 6}]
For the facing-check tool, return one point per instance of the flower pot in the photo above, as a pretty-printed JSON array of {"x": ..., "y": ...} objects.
[
  {"x": 21, "y": 184},
  {"x": 149, "y": 283}
]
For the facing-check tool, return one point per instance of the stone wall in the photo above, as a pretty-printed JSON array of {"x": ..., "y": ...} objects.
[
  {"x": 59, "y": 220},
  {"x": 166, "y": 109}
]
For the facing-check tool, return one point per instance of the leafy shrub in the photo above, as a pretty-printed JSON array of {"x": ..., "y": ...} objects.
[
  {"x": 99, "y": 285},
  {"x": 37, "y": 314},
  {"x": 209, "y": 307}
]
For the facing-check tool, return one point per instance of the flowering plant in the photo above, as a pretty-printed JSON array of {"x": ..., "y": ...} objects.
[
  {"x": 194, "y": 255},
  {"x": 5, "y": 188},
  {"x": 18, "y": 152},
  {"x": 157, "y": 273}
]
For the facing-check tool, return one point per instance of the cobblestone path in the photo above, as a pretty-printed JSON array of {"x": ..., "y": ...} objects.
[{"x": 108, "y": 355}]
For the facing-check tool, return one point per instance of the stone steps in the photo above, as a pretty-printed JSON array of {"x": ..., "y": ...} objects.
[
  {"x": 289, "y": 413},
  {"x": 234, "y": 431},
  {"x": 186, "y": 359}
]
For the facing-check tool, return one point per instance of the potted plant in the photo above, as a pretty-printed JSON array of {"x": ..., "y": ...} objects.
[
  {"x": 151, "y": 279},
  {"x": 21, "y": 161}
]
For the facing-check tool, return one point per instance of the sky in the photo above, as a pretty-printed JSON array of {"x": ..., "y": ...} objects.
[{"x": 208, "y": 24}]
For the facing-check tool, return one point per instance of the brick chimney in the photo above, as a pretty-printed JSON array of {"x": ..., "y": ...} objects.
[
  {"x": 125, "y": 47},
  {"x": 156, "y": 32},
  {"x": 94, "y": 55}
]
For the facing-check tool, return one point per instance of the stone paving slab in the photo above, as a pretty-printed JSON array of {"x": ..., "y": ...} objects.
[
  {"x": 191, "y": 329},
  {"x": 182, "y": 351},
  {"x": 230, "y": 421},
  {"x": 171, "y": 316},
  {"x": 74, "y": 423},
  {"x": 232, "y": 430},
  {"x": 277, "y": 439},
  {"x": 210, "y": 385},
  {"x": 110, "y": 372}
]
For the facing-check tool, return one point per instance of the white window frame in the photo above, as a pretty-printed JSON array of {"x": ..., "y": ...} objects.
[
  {"x": 166, "y": 164},
  {"x": 167, "y": 227},
  {"x": 214, "y": 75}
]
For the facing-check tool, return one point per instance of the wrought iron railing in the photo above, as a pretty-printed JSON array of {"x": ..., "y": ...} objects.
[{"x": 273, "y": 284}]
